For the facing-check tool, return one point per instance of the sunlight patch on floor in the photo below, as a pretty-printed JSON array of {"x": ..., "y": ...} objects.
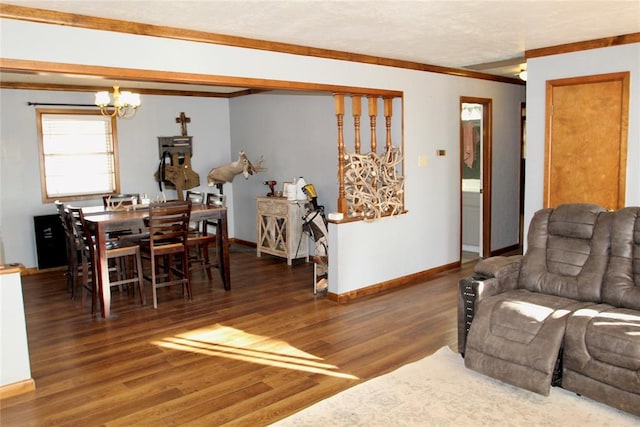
[{"x": 232, "y": 343}]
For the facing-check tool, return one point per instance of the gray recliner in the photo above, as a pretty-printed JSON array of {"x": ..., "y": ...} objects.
[
  {"x": 520, "y": 316},
  {"x": 602, "y": 342}
]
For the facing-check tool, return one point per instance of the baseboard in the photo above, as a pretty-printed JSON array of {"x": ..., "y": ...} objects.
[
  {"x": 411, "y": 279},
  {"x": 15, "y": 389},
  {"x": 28, "y": 271},
  {"x": 241, "y": 242},
  {"x": 471, "y": 248}
]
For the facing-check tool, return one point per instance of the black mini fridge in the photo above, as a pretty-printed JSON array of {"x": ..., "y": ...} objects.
[{"x": 51, "y": 243}]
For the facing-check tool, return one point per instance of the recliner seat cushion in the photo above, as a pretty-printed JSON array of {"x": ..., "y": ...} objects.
[
  {"x": 516, "y": 336},
  {"x": 609, "y": 339},
  {"x": 602, "y": 355}
]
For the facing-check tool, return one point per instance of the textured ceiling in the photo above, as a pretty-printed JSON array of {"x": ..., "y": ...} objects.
[{"x": 449, "y": 33}]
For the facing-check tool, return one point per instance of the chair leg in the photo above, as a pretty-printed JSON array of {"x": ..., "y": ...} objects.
[
  {"x": 96, "y": 289},
  {"x": 70, "y": 272},
  {"x": 139, "y": 275},
  {"x": 85, "y": 280},
  {"x": 153, "y": 281},
  {"x": 185, "y": 273},
  {"x": 207, "y": 262},
  {"x": 74, "y": 273},
  {"x": 165, "y": 267}
]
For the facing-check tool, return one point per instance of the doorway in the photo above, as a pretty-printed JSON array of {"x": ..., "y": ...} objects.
[{"x": 475, "y": 177}]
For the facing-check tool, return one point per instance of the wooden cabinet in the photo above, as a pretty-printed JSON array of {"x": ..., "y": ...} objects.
[{"x": 279, "y": 225}]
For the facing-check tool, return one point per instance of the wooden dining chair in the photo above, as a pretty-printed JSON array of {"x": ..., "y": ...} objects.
[
  {"x": 214, "y": 200},
  {"x": 115, "y": 250},
  {"x": 197, "y": 198},
  {"x": 199, "y": 241},
  {"x": 168, "y": 233},
  {"x": 73, "y": 247}
]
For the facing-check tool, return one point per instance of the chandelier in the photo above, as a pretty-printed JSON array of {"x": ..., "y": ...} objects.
[
  {"x": 523, "y": 74},
  {"x": 125, "y": 103}
]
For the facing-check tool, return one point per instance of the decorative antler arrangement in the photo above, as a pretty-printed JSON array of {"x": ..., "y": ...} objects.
[
  {"x": 118, "y": 206},
  {"x": 369, "y": 185},
  {"x": 372, "y": 185}
]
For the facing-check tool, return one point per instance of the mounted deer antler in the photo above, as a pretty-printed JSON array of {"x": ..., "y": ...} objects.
[
  {"x": 257, "y": 168},
  {"x": 227, "y": 172}
]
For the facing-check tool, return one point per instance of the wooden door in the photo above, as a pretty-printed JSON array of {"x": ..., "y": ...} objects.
[{"x": 586, "y": 140}]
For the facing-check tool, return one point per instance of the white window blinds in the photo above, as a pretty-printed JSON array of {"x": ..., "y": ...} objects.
[{"x": 78, "y": 154}]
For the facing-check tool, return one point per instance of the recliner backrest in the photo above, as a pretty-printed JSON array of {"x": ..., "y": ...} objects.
[
  {"x": 622, "y": 280},
  {"x": 568, "y": 252}
]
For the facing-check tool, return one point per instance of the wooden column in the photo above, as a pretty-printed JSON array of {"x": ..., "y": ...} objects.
[
  {"x": 339, "y": 107},
  {"x": 388, "y": 113},
  {"x": 373, "y": 113},
  {"x": 356, "y": 108}
]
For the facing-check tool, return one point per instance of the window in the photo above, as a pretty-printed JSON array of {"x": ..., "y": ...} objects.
[{"x": 78, "y": 154}]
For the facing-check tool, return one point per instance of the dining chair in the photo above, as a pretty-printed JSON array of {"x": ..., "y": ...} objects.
[
  {"x": 168, "y": 232},
  {"x": 214, "y": 200},
  {"x": 118, "y": 251},
  {"x": 73, "y": 247},
  {"x": 197, "y": 198},
  {"x": 200, "y": 240}
]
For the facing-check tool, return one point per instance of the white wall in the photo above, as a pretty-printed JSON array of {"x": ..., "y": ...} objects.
[
  {"x": 21, "y": 196},
  {"x": 584, "y": 63},
  {"x": 14, "y": 359},
  {"x": 428, "y": 235}
]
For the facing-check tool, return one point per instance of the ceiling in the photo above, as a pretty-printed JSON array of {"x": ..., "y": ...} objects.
[{"x": 480, "y": 35}]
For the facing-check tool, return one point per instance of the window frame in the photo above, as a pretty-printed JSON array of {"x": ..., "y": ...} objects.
[{"x": 46, "y": 198}]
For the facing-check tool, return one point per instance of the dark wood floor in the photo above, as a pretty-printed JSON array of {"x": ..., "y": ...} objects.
[{"x": 247, "y": 357}]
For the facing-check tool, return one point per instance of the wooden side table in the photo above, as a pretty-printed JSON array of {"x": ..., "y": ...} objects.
[{"x": 279, "y": 225}]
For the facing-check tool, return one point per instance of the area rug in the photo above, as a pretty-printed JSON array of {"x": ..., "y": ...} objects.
[{"x": 439, "y": 391}]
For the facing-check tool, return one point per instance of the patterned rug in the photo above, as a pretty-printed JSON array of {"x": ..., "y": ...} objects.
[{"x": 439, "y": 391}]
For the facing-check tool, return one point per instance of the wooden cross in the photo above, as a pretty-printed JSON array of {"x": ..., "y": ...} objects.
[{"x": 183, "y": 120}]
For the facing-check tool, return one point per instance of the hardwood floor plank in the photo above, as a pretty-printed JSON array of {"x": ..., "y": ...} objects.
[{"x": 251, "y": 356}]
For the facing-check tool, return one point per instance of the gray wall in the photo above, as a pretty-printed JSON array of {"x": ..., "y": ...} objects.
[{"x": 296, "y": 134}]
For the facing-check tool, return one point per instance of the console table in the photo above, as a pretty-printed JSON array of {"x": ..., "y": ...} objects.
[{"x": 279, "y": 225}]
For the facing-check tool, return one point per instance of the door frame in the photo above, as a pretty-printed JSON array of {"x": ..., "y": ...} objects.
[
  {"x": 487, "y": 156},
  {"x": 523, "y": 166}
]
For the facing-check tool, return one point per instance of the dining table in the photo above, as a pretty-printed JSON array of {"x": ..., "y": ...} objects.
[{"x": 104, "y": 220}]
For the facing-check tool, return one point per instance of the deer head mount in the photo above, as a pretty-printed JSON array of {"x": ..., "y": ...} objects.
[{"x": 228, "y": 171}]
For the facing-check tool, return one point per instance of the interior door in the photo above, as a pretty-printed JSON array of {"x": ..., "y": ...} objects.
[
  {"x": 475, "y": 174},
  {"x": 586, "y": 143}
]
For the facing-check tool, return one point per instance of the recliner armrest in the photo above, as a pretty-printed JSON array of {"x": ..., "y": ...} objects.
[
  {"x": 492, "y": 276},
  {"x": 498, "y": 266}
]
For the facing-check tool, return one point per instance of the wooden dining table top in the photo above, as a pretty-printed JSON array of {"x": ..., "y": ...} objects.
[{"x": 100, "y": 214}]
